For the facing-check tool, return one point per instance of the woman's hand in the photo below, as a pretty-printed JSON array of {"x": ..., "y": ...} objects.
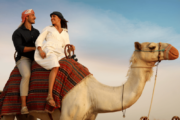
[
  {"x": 41, "y": 52},
  {"x": 72, "y": 48}
]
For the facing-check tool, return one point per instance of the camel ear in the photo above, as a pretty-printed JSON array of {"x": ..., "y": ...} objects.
[{"x": 137, "y": 45}]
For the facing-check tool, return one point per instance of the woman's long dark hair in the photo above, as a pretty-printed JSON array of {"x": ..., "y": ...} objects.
[{"x": 64, "y": 23}]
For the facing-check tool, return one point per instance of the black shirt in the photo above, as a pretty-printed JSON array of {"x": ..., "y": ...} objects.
[{"x": 22, "y": 37}]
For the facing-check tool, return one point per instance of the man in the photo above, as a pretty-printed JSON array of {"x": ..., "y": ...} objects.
[{"x": 24, "y": 41}]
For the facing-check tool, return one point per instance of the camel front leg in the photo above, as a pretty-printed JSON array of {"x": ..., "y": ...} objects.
[
  {"x": 91, "y": 117},
  {"x": 74, "y": 113},
  {"x": 30, "y": 117},
  {"x": 8, "y": 117},
  {"x": 56, "y": 114},
  {"x": 78, "y": 116}
]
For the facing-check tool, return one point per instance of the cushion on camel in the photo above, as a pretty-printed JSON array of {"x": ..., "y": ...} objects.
[{"x": 70, "y": 74}]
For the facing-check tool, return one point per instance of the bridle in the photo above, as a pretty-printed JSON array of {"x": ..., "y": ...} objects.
[
  {"x": 166, "y": 51},
  {"x": 159, "y": 55}
]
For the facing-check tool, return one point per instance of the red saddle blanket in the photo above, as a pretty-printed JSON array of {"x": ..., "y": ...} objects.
[{"x": 70, "y": 74}]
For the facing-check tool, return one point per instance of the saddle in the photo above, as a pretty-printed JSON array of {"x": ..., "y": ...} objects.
[{"x": 69, "y": 75}]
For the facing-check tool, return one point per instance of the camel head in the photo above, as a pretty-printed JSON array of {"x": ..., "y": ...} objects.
[{"x": 153, "y": 52}]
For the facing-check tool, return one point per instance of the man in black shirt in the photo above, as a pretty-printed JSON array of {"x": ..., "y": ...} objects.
[{"x": 24, "y": 41}]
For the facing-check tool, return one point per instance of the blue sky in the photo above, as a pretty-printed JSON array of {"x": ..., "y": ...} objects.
[
  {"x": 164, "y": 13},
  {"x": 104, "y": 33}
]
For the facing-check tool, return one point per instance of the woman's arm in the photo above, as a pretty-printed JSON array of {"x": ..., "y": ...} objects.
[
  {"x": 39, "y": 42},
  {"x": 68, "y": 42},
  {"x": 42, "y": 36}
]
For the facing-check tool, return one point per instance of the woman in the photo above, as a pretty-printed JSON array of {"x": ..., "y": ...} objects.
[{"x": 48, "y": 54}]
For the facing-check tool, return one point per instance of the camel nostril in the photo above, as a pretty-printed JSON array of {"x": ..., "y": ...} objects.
[{"x": 173, "y": 53}]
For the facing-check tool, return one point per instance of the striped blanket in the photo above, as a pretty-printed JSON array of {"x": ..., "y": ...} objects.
[{"x": 70, "y": 74}]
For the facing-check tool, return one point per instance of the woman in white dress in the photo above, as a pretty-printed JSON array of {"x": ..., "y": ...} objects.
[{"x": 49, "y": 53}]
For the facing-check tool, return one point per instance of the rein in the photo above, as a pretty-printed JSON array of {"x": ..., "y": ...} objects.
[
  {"x": 151, "y": 51},
  {"x": 159, "y": 54}
]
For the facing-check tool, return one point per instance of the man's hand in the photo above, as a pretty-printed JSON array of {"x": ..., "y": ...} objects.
[{"x": 28, "y": 49}]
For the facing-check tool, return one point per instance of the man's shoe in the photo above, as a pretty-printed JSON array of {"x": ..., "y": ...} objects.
[{"x": 24, "y": 110}]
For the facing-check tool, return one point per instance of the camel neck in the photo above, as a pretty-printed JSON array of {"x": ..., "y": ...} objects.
[
  {"x": 109, "y": 99},
  {"x": 134, "y": 86}
]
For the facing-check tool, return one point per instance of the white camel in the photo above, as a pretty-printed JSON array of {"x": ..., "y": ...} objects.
[{"x": 90, "y": 97}]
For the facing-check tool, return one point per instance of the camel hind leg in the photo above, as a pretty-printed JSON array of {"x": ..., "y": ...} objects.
[
  {"x": 8, "y": 117},
  {"x": 18, "y": 117}
]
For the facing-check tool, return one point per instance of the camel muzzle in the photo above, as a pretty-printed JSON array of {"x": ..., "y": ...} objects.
[{"x": 171, "y": 53}]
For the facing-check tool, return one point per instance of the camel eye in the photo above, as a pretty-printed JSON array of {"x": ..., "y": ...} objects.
[{"x": 152, "y": 48}]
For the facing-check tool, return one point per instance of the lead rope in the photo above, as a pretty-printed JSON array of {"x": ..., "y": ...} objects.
[
  {"x": 122, "y": 102},
  {"x": 153, "y": 91},
  {"x": 155, "y": 80}
]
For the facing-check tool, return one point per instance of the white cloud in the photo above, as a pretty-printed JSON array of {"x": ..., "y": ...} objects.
[{"x": 97, "y": 32}]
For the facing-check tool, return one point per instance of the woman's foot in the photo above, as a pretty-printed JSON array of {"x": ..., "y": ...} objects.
[
  {"x": 24, "y": 110},
  {"x": 50, "y": 101}
]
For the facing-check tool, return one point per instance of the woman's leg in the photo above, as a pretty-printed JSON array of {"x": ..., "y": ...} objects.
[
  {"x": 52, "y": 77},
  {"x": 24, "y": 66},
  {"x": 23, "y": 99}
]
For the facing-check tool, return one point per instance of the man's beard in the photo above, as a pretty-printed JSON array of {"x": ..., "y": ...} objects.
[{"x": 31, "y": 21}]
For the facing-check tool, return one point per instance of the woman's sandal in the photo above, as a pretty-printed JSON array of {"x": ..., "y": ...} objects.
[{"x": 48, "y": 99}]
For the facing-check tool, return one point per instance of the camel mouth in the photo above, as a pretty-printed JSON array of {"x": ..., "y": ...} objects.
[{"x": 171, "y": 53}]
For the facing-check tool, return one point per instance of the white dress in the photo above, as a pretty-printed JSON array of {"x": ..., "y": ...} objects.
[{"x": 53, "y": 47}]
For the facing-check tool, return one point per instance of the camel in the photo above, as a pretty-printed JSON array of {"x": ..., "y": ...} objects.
[{"x": 91, "y": 97}]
